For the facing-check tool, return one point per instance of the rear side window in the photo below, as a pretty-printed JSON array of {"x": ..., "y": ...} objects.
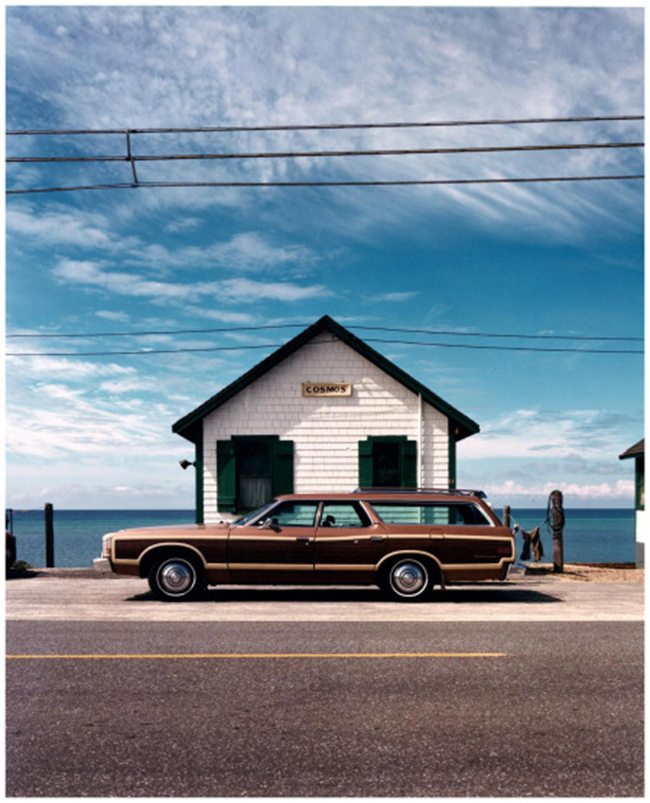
[{"x": 434, "y": 513}]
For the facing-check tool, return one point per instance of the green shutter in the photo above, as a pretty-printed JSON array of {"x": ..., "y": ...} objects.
[
  {"x": 198, "y": 470},
  {"x": 365, "y": 463},
  {"x": 282, "y": 482},
  {"x": 226, "y": 476},
  {"x": 409, "y": 461}
]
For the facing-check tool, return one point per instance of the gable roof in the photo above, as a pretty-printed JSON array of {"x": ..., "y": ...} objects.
[{"x": 190, "y": 425}]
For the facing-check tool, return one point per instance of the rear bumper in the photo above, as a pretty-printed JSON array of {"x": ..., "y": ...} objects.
[{"x": 469, "y": 573}]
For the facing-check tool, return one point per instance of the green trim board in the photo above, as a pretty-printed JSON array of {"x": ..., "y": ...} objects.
[
  {"x": 190, "y": 425},
  {"x": 639, "y": 474},
  {"x": 198, "y": 473}
]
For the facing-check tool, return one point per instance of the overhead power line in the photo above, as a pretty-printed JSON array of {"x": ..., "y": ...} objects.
[
  {"x": 323, "y": 126},
  {"x": 131, "y": 157},
  {"x": 202, "y": 349},
  {"x": 496, "y": 334},
  {"x": 379, "y": 183},
  {"x": 262, "y": 327}
]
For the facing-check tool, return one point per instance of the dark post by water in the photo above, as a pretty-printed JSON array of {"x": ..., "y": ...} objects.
[
  {"x": 557, "y": 525},
  {"x": 49, "y": 536},
  {"x": 506, "y": 516}
]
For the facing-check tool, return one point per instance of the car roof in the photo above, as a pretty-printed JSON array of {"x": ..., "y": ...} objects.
[{"x": 391, "y": 494}]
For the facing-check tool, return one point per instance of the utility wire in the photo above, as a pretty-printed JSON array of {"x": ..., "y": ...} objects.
[
  {"x": 324, "y": 126},
  {"x": 378, "y": 183},
  {"x": 258, "y": 328},
  {"x": 494, "y": 334},
  {"x": 278, "y": 345},
  {"x": 131, "y": 157}
]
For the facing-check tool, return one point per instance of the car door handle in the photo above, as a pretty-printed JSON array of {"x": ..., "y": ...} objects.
[
  {"x": 377, "y": 537},
  {"x": 303, "y": 539}
]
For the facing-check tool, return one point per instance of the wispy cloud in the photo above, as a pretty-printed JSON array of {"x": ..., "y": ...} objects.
[
  {"x": 603, "y": 491},
  {"x": 394, "y": 297},
  {"x": 246, "y": 251},
  {"x": 69, "y": 368},
  {"x": 536, "y": 433},
  {"x": 89, "y": 274},
  {"x": 61, "y": 226},
  {"x": 490, "y": 60},
  {"x": 109, "y": 315}
]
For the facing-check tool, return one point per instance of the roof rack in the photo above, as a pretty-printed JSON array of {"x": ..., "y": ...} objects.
[{"x": 449, "y": 491}]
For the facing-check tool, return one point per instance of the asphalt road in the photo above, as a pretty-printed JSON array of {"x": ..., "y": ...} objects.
[{"x": 494, "y": 708}]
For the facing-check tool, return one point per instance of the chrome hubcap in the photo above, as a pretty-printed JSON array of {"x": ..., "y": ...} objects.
[
  {"x": 408, "y": 578},
  {"x": 176, "y": 577}
]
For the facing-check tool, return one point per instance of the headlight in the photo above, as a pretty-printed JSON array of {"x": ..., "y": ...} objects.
[{"x": 107, "y": 540}]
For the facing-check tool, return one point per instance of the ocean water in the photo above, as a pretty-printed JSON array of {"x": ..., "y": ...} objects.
[{"x": 590, "y": 536}]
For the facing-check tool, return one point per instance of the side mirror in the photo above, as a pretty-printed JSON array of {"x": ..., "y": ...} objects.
[{"x": 270, "y": 524}]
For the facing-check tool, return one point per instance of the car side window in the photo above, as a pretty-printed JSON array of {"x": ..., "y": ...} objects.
[
  {"x": 294, "y": 514},
  {"x": 337, "y": 514},
  {"x": 466, "y": 514},
  {"x": 434, "y": 513}
]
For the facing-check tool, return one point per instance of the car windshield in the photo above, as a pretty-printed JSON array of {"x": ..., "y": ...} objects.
[{"x": 253, "y": 514}]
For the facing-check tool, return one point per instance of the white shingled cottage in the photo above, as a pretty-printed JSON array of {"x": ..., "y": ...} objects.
[{"x": 325, "y": 412}]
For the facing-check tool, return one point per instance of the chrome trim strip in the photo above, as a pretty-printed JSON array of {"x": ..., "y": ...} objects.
[
  {"x": 345, "y": 567},
  {"x": 305, "y": 567},
  {"x": 452, "y": 537}
]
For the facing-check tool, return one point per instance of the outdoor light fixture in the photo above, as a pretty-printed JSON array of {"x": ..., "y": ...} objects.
[{"x": 186, "y": 464}]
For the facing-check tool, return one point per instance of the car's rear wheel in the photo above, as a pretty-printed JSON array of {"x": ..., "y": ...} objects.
[
  {"x": 408, "y": 579},
  {"x": 176, "y": 578}
]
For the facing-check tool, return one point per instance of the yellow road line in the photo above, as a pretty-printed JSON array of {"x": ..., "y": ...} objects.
[{"x": 249, "y": 655}]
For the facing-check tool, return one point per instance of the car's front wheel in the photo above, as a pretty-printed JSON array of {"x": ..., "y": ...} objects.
[
  {"x": 408, "y": 579},
  {"x": 176, "y": 578}
]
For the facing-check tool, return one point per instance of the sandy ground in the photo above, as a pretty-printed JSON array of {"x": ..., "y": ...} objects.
[{"x": 589, "y": 572}]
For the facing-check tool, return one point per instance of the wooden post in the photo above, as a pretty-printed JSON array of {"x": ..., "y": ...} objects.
[
  {"x": 506, "y": 516},
  {"x": 556, "y": 512},
  {"x": 49, "y": 536}
]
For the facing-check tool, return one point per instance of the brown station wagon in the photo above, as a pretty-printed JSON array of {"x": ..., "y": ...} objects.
[{"x": 405, "y": 541}]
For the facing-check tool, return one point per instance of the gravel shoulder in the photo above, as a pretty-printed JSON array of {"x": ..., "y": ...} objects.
[{"x": 589, "y": 572}]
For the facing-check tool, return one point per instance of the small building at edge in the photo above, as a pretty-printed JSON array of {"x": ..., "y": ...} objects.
[
  {"x": 325, "y": 411},
  {"x": 637, "y": 453}
]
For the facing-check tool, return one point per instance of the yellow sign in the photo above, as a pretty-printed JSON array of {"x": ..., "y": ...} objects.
[{"x": 313, "y": 390}]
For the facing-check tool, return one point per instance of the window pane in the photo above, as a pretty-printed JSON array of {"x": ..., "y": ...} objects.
[
  {"x": 434, "y": 513},
  {"x": 342, "y": 515},
  {"x": 385, "y": 465},
  {"x": 295, "y": 514}
]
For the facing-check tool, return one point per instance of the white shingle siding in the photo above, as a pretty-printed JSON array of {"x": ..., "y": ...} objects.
[{"x": 326, "y": 431}]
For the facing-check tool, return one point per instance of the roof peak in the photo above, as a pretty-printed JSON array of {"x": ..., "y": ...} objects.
[{"x": 190, "y": 425}]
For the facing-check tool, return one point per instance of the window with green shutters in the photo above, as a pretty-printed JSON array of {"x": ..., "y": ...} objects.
[
  {"x": 239, "y": 469},
  {"x": 388, "y": 461}
]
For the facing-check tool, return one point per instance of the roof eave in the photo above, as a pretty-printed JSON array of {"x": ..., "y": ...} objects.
[{"x": 638, "y": 450}]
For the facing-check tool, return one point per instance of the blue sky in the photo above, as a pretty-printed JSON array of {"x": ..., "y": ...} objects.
[{"x": 563, "y": 259}]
